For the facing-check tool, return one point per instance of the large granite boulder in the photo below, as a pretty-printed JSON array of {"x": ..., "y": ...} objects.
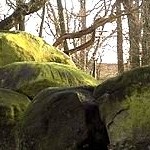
[
  {"x": 12, "y": 107},
  {"x": 124, "y": 103},
  {"x": 31, "y": 77},
  {"x": 63, "y": 119},
  {"x": 20, "y": 46}
]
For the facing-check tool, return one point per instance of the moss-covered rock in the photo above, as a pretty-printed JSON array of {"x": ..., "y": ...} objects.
[
  {"x": 21, "y": 46},
  {"x": 132, "y": 123},
  {"x": 12, "y": 107},
  {"x": 31, "y": 77},
  {"x": 124, "y": 103},
  {"x": 125, "y": 83},
  {"x": 63, "y": 119}
]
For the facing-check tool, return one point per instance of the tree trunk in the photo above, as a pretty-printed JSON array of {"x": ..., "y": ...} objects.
[
  {"x": 134, "y": 32},
  {"x": 119, "y": 39},
  {"x": 42, "y": 22},
  {"x": 82, "y": 13},
  {"x": 21, "y": 25},
  {"x": 62, "y": 25},
  {"x": 146, "y": 33},
  {"x": 20, "y": 12}
]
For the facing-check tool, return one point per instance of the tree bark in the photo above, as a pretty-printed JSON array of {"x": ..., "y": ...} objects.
[
  {"x": 22, "y": 20},
  {"x": 119, "y": 39},
  {"x": 42, "y": 22},
  {"x": 146, "y": 33},
  {"x": 134, "y": 32},
  {"x": 20, "y": 12},
  {"x": 83, "y": 38},
  {"x": 62, "y": 25}
]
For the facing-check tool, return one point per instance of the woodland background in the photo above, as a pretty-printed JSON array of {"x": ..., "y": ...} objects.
[{"x": 83, "y": 29}]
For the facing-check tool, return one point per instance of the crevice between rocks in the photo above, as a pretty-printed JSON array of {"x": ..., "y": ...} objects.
[{"x": 97, "y": 138}]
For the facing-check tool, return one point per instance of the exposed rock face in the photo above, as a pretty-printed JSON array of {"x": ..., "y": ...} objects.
[
  {"x": 124, "y": 104},
  {"x": 59, "y": 118},
  {"x": 64, "y": 116},
  {"x": 12, "y": 107},
  {"x": 21, "y": 46},
  {"x": 65, "y": 119},
  {"x": 79, "y": 118},
  {"x": 31, "y": 77}
]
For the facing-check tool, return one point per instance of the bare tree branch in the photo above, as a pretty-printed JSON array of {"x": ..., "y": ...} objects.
[
  {"x": 83, "y": 46},
  {"x": 97, "y": 23},
  {"x": 42, "y": 22},
  {"x": 92, "y": 28},
  {"x": 20, "y": 12}
]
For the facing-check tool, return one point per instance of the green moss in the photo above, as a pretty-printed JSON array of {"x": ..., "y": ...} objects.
[
  {"x": 31, "y": 77},
  {"x": 14, "y": 103},
  {"x": 134, "y": 123},
  {"x": 125, "y": 83},
  {"x": 124, "y": 103},
  {"x": 12, "y": 108},
  {"x": 53, "y": 119},
  {"x": 20, "y": 46}
]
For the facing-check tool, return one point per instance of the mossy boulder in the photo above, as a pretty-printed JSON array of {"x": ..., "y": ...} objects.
[
  {"x": 63, "y": 119},
  {"x": 31, "y": 77},
  {"x": 21, "y": 46},
  {"x": 12, "y": 107},
  {"x": 124, "y": 103}
]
